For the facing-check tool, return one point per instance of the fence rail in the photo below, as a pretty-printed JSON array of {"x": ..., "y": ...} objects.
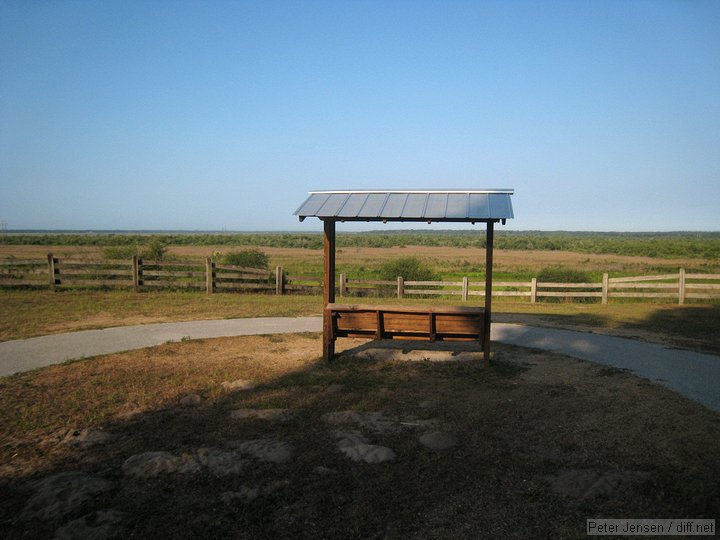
[{"x": 139, "y": 274}]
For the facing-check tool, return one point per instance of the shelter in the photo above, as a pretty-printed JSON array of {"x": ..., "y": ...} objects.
[{"x": 487, "y": 206}]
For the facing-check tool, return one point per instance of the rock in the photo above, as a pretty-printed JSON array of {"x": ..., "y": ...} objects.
[
  {"x": 219, "y": 462},
  {"x": 150, "y": 464},
  {"x": 191, "y": 400},
  {"x": 334, "y": 388},
  {"x": 248, "y": 494},
  {"x": 80, "y": 438},
  {"x": 278, "y": 415},
  {"x": 428, "y": 404},
  {"x": 240, "y": 384},
  {"x": 438, "y": 440},
  {"x": 101, "y": 525},
  {"x": 377, "y": 421},
  {"x": 267, "y": 450},
  {"x": 63, "y": 494},
  {"x": 357, "y": 448}
]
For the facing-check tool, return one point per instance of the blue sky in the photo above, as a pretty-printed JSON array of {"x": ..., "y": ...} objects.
[{"x": 603, "y": 115}]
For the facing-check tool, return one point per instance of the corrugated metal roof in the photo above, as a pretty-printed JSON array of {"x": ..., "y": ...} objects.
[{"x": 409, "y": 205}]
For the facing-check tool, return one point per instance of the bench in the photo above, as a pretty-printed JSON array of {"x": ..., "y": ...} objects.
[{"x": 434, "y": 323}]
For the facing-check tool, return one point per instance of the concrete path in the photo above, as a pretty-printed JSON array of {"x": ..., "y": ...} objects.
[{"x": 691, "y": 374}]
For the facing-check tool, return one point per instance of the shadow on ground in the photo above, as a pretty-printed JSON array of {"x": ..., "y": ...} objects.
[{"x": 535, "y": 445}]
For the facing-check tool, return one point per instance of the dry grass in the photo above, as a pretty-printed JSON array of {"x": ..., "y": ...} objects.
[
  {"x": 544, "y": 443},
  {"x": 26, "y": 314}
]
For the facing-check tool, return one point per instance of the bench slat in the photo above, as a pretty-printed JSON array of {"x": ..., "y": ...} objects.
[{"x": 407, "y": 322}]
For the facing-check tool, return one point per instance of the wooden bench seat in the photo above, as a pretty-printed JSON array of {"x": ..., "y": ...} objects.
[{"x": 407, "y": 322}]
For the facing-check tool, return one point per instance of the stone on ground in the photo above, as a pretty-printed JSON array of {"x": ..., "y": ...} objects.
[
  {"x": 240, "y": 384},
  {"x": 79, "y": 438},
  {"x": 375, "y": 420},
  {"x": 63, "y": 494},
  {"x": 219, "y": 462},
  {"x": 438, "y": 440},
  {"x": 357, "y": 448},
  {"x": 248, "y": 494},
  {"x": 191, "y": 400},
  {"x": 334, "y": 388},
  {"x": 267, "y": 450},
  {"x": 150, "y": 464}
]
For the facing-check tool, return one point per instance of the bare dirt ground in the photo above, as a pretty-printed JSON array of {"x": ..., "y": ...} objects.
[{"x": 255, "y": 437}]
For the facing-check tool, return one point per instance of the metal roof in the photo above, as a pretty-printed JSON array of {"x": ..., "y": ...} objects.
[{"x": 467, "y": 205}]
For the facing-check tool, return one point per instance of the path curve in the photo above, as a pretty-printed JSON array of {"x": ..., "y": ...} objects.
[{"x": 694, "y": 375}]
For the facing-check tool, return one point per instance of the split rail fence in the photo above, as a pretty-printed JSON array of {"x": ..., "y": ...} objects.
[{"x": 144, "y": 275}]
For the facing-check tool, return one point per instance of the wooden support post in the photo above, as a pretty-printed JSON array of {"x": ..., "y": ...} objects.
[
  {"x": 328, "y": 289},
  {"x": 605, "y": 288},
  {"x": 52, "y": 271},
  {"x": 343, "y": 285},
  {"x": 400, "y": 287},
  {"x": 465, "y": 287},
  {"x": 136, "y": 273},
  {"x": 433, "y": 335},
  {"x": 533, "y": 290},
  {"x": 279, "y": 281},
  {"x": 681, "y": 287},
  {"x": 379, "y": 325},
  {"x": 140, "y": 273},
  {"x": 488, "y": 292},
  {"x": 209, "y": 275}
]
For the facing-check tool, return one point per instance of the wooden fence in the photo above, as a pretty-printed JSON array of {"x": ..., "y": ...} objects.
[
  {"x": 141, "y": 275},
  {"x": 674, "y": 287}
]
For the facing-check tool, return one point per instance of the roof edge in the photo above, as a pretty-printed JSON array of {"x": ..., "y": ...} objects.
[{"x": 413, "y": 191}]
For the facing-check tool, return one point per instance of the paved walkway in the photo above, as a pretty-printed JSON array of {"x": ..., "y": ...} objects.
[{"x": 691, "y": 374}]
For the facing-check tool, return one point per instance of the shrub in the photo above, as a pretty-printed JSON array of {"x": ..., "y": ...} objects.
[
  {"x": 249, "y": 258},
  {"x": 155, "y": 250},
  {"x": 410, "y": 268},
  {"x": 120, "y": 252}
]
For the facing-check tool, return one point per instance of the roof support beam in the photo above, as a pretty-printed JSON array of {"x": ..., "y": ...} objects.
[
  {"x": 488, "y": 291},
  {"x": 328, "y": 289}
]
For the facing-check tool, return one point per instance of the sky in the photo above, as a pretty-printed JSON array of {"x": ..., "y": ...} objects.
[{"x": 221, "y": 115}]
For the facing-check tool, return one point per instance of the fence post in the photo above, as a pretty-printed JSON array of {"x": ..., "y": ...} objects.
[
  {"x": 533, "y": 290},
  {"x": 279, "y": 281},
  {"x": 209, "y": 275},
  {"x": 465, "y": 289},
  {"x": 53, "y": 271},
  {"x": 605, "y": 288},
  {"x": 681, "y": 287},
  {"x": 400, "y": 287},
  {"x": 136, "y": 273},
  {"x": 343, "y": 284}
]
